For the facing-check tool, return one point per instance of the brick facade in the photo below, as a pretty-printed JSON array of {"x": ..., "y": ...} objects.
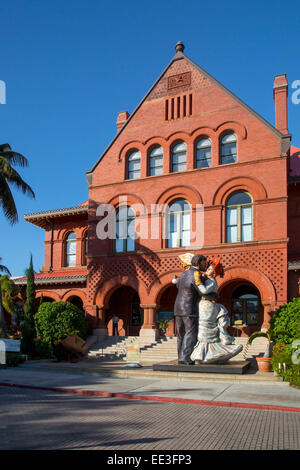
[{"x": 184, "y": 104}]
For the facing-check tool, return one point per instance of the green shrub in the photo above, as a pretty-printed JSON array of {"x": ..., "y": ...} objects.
[
  {"x": 13, "y": 359},
  {"x": 55, "y": 321},
  {"x": 285, "y": 324},
  {"x": 42, "y": 349},
  {"x": 283, "y": 355}
]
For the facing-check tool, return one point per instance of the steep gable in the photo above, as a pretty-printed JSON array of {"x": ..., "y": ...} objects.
[{"x": 186, "y": 98}]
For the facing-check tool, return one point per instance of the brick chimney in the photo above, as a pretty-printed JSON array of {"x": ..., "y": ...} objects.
[
  {"x": 122, "y": 118},
  {"x": 280, "y": 93}
]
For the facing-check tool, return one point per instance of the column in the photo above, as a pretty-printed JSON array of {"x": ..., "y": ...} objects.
[
  {"x": 267, "y": 316},
  {"x": 149, "y": 329},
  {"x": 97, "y": 313}
]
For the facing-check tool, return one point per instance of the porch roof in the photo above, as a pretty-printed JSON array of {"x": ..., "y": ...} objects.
[{"x": 55, "y": 277}]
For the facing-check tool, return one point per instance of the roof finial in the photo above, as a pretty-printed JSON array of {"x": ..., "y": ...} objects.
[{"x": 179, "y": 46}]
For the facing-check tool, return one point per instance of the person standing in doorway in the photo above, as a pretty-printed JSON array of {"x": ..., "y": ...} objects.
[{"x": 115, "y": 321}]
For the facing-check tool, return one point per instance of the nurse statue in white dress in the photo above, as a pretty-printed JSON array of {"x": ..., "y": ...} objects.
[{"x": 214, "y": 342}]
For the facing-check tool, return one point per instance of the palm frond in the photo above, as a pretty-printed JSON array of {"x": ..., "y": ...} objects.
[
  {"x": 15, "y": 158},
  {"x": 258, "y": 334},
  {"x": 16, "y": 180},
  {"x": 7, "y": 201}
]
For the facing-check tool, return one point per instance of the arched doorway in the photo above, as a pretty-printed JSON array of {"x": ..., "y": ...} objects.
[
  {"x": 124, "y": 302},
  {"x": 165, "y": 308},
  {"x": 75, "y": 300},
  {"x": 243, "y": 302}
]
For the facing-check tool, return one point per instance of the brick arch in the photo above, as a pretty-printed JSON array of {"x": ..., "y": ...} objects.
[
  {"x": 131, "y": 199},
  {"x": 252, "y": 185},
  {"x": 160, "y": 284},
  {"x": 180, "y": 192},
  {"x": 234, "y": 126},
  {"x": 157, "y": 140},
  {"x": 50, "y": 294},
  {"x": 63, "y": 233},
  {"x": 135, "y": 144},
  {"x": 257, "y": 278},
  {"x": 178, "y": 136},
  {"x": 203, "y": 131},
  {"x": 106, "y": 289},
  {"x": 74, "y": 293}
]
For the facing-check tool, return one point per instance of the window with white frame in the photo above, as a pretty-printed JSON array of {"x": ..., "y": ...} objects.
[
  {"x": 70, "y": 250},
  {"x": 178, "y": 157},
  {"x": 125, "y": 230},
  {"x": 203, "y": 153},
  {"x": 155, "y": 161},
  {"x": 178, "y": 224},
  {"x": 228, "y": 150},
  {"x": 239, "y": 225},
  {"x": 134, "y": 165}
]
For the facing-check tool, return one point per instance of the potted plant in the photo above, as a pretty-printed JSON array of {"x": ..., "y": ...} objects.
[
  {"x": 263, "y": 362},
  {"x": 163, "y": 325}
]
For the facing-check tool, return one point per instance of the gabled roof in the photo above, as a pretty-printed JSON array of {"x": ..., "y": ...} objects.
[{"x": 181, "y": 56}]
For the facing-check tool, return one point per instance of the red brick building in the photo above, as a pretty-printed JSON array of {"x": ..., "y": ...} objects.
[{"x": 190, "y": 143}]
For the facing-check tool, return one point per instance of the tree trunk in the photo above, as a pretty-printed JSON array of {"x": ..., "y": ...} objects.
[{"x": 2, "y": 317}]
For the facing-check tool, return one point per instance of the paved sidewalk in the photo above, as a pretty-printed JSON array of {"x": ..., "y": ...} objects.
[{"x": 114, "y": 379}]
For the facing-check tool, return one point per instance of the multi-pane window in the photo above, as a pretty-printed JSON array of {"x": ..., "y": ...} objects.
[
  {"x": 178, "y": 224},
  {"x": 239, "y": 217},
  {"x": 178, "y": 157},
  {"x": 134, "y": 165},
  {"x": 228, "y": 148},
  {"x": 245, "y": 306},
  {"x": 203, "y": 153},
  {"x": 156, "y": 161},
  {"x": 125, "y": 230},
  {"x": 70, "y": 250}
]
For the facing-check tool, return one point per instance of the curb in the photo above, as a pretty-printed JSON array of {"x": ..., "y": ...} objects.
[{"x": 155, "y": 398}]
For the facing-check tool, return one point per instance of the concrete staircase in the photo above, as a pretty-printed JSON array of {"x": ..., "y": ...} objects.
[{"x": 164, "y": 349}]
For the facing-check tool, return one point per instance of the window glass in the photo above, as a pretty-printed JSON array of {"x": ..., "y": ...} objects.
[
  {"x": 70, "y": 250},
  {"x": 228, "y": 149},
  {"x": 203, "y": 153},
  {"x": 156, "y": 161},
  {"x": 134, "y": 165},
  {"x": 179, "y": 157},
  {"x": 179, "y": 220}
]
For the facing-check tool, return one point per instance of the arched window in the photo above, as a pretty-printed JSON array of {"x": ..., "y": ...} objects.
[
  {"x": 70, "y": 250},
  {"x": 245, "y": 305},
  {"x": 178, "y": 224},
  {"x": 156, "y": 161},
  {"x": 134, "y": 165},
  {"x": 84, "y": 248},
  {"x": 178, "y": 157},
  {"x": 203, "y": 153},
  {"x": 239, "y": 217},
  {"x": 125, "y": 230},
  {"x": 228, "y": 150}
]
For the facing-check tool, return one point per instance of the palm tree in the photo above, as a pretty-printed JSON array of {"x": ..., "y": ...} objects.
[
  {"x": 2, "y": 317},
  {"x": 9, "y": 176}
]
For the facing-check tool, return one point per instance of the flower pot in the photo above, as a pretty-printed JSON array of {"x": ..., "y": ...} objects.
[{"x": 264, "y": 364}]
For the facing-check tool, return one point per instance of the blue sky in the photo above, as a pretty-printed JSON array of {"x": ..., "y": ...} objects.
[{"x": 70, "y": 67}]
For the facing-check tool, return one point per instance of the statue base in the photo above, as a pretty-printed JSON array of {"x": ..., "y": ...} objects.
[{"x": 234, "y": 367}]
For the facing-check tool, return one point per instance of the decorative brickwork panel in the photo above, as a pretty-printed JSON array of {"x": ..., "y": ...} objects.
[
  {"x": 147, "y": 268},
  {"x": 181, "y": 79},
  {"x": 179, "y": 69}
]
